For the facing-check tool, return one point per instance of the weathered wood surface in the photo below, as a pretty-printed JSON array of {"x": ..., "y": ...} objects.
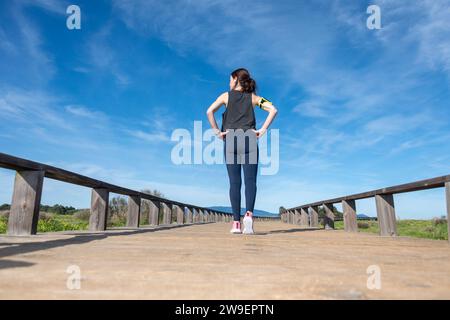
[
  {"x": 179, "y": 214},
  {"x": 329, "y": 216},
  {"x": 296, "y": 218},
  {"x": 200, "y": 262},
  {"x": 386, "y": 214},
  {"x": 349, "y": 212},
  {"x": 24, "y": 213},
  {"x": 189, "y": 215},
  {"x": 314, "y": 220},
  {"x": 447, "y": 197},
  {"x": 153, "y": 212},
  {"x": 166, "y": 213},
  {"x": 99, "y": 209},
  {"x": 304, "y": 217},
  {"x": 134, "y": 211}
]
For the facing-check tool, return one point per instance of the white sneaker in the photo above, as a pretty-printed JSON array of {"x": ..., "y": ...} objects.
[
  {"x": 236, "y": 227},
  {"x": 248, "y": 223}
]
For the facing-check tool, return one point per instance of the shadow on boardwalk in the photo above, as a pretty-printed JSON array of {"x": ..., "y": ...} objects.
[{"x": 8, "y": 249}]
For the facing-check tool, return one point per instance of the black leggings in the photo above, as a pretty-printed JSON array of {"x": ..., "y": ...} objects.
[{"x": 245, "y": 155}]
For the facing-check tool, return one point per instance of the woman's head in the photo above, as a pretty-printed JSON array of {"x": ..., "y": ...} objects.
[{"x": 242, "y": 77}]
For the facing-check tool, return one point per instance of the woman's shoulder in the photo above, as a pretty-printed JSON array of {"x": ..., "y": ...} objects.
[{"x": 255, "y": 99}]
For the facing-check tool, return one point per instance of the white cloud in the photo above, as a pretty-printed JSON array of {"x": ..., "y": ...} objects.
[
  {"x": 152, "y": 137},
  {"x": 82, "y": 111}
]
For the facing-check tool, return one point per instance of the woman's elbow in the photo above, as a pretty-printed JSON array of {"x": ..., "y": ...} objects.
[{"x": 274, "y": 110}]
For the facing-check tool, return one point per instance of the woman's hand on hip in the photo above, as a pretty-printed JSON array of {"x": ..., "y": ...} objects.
[
  {"x": 221, "y": 134},
  {"x": 260, "y": 132}
]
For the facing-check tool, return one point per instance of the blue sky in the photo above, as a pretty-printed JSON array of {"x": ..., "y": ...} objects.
[{"x": 359, "y": 109}]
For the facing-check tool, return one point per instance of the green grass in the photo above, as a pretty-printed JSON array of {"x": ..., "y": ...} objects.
[
  {"x": 410, "y": 228},
  {"x": 52, "y": 223},
  {"x": 3, "y": 224}
]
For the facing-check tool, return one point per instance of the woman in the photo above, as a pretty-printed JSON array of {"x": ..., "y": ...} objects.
[{"x": 240, "y": 136}]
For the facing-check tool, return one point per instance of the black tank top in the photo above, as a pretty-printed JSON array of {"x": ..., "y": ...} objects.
[{"x": 239, "y": 113}]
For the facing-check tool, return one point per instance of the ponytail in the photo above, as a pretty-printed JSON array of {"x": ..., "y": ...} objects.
[{"x": 243, "y": 77}]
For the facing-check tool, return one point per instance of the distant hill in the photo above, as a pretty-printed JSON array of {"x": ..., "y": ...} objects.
[
  {"x": 365, "y": 217},
  {"x": 256, "y": 212}
]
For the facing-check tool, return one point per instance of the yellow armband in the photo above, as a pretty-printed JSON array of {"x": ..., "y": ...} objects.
[{"x": 264, "y": 103}]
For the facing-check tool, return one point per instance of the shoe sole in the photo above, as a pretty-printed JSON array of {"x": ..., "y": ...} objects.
[{"x": 248, "y": 226}]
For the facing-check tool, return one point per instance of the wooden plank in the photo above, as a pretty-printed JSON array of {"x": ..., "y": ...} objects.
[
  {"x": 349, "y": 212},
  {"x": 134, "y": 211},
  {"x": 386, "y": 214},
  {"x": 447, "y": 197},
  {"x": 329, "y": 216},
  {"x": 26, "y": 200},
  {"x": 304, "y": 217},
  {"x": 99, "y": 209}
]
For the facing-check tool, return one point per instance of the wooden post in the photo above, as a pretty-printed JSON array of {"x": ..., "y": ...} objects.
[
  {"x": 447, "y": 197},
  {"x": 153, "y": 212},
  {"x": 349, "y": 208},
  {"x": 26, "y": 201},
  {"x": 296, "y": 217},
  {"x": 329, "y": 216},
  {"x": 189, "y": 215},
  {"x": 304, "y": 219},
  {"x": 167, "y": 213},
  {"x": 386, "y": 214},
  {"x": 314, "y": 221},
  {"x": 179, "y": 213},
  {"x": 134, "y": 211},
  {"x": 99, "y": 209}
]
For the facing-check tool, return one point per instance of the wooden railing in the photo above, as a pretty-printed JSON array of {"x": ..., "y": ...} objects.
[
  {"x": 26, "y": 199},
  {"x": 307, "y": 214}
]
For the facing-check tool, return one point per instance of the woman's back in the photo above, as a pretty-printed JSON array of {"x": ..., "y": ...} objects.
[{"x": 239, "y": 113}]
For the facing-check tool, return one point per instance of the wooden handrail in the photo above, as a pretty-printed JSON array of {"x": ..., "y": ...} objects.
[
  {"x": 384, "y": 199},
  {"x": 425, "y": 184},
  {"x": 28, "y": 184}
]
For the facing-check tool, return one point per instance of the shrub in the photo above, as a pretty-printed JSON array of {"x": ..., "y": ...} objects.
[
  {"x": 363, "y": 225},
  {"x": 3, "y": 224},
  {"x": 52, "y": 224},
  {"x": 45, "y": 216},
  {"x": 438, "y": 221},
  {"x": 83, "y": 215},
  {"x": 4, "y": 214}
]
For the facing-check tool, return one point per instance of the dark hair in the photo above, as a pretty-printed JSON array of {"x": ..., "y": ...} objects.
[{"x": 244, "y": 79}]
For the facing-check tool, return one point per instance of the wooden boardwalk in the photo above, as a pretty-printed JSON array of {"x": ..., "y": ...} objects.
[{"x": 204, "y": 261}]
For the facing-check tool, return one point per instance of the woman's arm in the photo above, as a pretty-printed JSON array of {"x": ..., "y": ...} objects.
[
  {"x": 265, "y": 105},
  {"x": 221, "y": 100}
]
